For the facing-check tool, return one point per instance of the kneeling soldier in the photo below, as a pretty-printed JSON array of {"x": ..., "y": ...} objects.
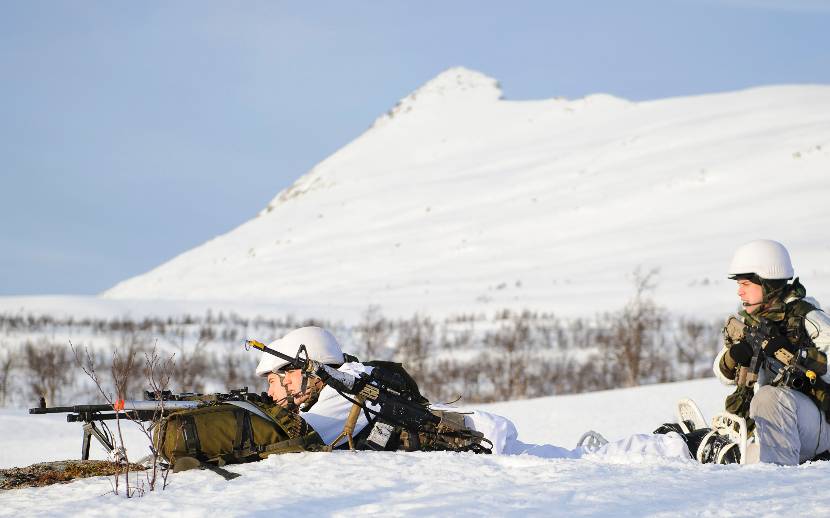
[{"x": 775, "y": 352}]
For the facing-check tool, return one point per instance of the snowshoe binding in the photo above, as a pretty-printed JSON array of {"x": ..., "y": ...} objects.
[
  {"x": 726, "y": 443},
  {"x": 689, "y": 419},
  {"x": 718, "y": 449}
]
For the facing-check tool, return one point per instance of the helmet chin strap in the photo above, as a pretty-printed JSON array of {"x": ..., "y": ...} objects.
[
  {"x": 304, "y": 384},
  {"x": 313, "y": 394}
]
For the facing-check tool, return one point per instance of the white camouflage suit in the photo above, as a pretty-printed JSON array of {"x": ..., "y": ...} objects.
[{"x": 790, "y": 428}]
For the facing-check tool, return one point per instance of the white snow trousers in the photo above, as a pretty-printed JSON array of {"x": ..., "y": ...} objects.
[{"x": 790, "y": 427}]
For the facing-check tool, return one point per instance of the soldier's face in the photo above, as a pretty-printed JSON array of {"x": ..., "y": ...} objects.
[
  {"x": 294, "y": 383},
  {"x": 751, "y": 295},
  {"x": 276, "y": 389}
]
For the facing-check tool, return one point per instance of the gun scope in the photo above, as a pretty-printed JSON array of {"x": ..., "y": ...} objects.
[{"x": 389, "y": 379}]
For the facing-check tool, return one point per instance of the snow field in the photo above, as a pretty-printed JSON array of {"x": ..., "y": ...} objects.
[
  {"x": 632, "y": 477},
  {"x": 615, "y": 414},
  {"x": 446, "y": 484}
]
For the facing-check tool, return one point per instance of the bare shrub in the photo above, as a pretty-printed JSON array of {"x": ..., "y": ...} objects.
[
  {"x": 634, "y": 336},
  {"x": 7, "y": 361},
  {"x": 416, "y": 340},
  {"x": 237, "y": 371},
  {"x": 190, "y": 368},
  {"x": 695, "y": 343},
  {"x": 122, "y": 369},
  {"x": 119, "y": 457},
  {"x": 207, "y": 333},
  {"x": 128, "y": 364},
  {"x": 507, "y": 357},
  {"x": 157, "y": 374},
  {"x": 373, "y": 332},
  {"x": 49, "y": 367}
]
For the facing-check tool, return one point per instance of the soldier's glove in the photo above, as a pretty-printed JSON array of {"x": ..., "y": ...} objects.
[
  {"x": 778, "y": 342},
  {"x": 741, "y": 352}
]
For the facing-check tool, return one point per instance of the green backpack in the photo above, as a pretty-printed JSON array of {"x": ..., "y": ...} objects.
[
  {"x": 233, "y": 432},
  {"x": 230, "y": 433}
]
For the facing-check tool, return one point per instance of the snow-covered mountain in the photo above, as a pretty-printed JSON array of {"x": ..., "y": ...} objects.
[{"x": 458, "y": 200}]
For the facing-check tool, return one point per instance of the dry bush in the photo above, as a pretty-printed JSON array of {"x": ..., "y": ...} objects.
[
  {"x": 634, "y": 335},
  {"x": 237, "y": 370},
  {"x": 124, "y": 368},
  {"x": 507, "y": 357},
  {"x": 696, "y": 343},
  {"x": 157, "y": 374},
  {"x": 88, "y": 364},
  {"x": 373, "y": 332},
  {"x": 127, "y": 363},
  {"x": 49, "y": 368},
  {"x": 190, "y": 369},
  {"x": 7, "y": 362},
  {"x": 416, "y": 341}
]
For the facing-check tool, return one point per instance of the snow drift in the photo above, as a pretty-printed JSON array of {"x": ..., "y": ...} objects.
[{"x": 623, "y": 481}]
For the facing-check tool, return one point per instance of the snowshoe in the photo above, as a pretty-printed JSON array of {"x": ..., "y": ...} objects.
[
  {"x": 689, "y": 416},
  {"x": 591, "y": 441}
]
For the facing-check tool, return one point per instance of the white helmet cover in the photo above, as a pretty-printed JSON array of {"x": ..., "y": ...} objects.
[
  {"x": 765, "y": 258},
  {"x": 321, "y": 345}
]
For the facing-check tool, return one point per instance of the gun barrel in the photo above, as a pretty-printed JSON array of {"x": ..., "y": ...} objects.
[
  {"x": 73, "y": 409},
  {"x": 128, "y": 405},
  {"x": 141, "y": 415},
  {"x": 143, "y": 405}
]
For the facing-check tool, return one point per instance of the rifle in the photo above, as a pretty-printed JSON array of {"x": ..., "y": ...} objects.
[
  {"x": 395, "y": 402},
  {"x": 152, "y": 408},
  {"x": 790, "y": 369}
]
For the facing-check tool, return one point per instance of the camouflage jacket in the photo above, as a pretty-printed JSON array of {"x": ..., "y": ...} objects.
[{"x": 799, "y": 318}]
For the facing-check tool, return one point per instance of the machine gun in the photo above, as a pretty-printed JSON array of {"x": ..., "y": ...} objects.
[
  {"x": 395, "y": 401},
  {"x": 153, "y": 407}
]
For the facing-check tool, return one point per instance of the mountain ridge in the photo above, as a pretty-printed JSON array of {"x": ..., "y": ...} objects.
[{"x": 471, "y": 202}]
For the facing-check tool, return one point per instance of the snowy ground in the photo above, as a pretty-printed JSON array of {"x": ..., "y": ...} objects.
[{"x": 622, "y": 481}]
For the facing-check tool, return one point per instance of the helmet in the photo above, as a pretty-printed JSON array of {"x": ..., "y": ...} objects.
[
  {"x": 765, "y": 258},
  {"x": 321, "y": 345}
]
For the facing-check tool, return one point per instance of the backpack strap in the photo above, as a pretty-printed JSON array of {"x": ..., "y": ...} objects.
[
  {"x": 800, "y": 308},
  {"x": 797, "y": 311},
  {"x": 301, "y": 436},
  {"x": 308, "y": 442},
  {"x": 191, "y": 437},
  {"x": 244, "y": 440}
]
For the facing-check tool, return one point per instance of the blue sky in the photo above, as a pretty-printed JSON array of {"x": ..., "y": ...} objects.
[{"x": 133, "y": 131}]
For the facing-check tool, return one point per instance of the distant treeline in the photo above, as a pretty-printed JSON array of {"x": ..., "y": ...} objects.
[{"x": 508, "y": 355}]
